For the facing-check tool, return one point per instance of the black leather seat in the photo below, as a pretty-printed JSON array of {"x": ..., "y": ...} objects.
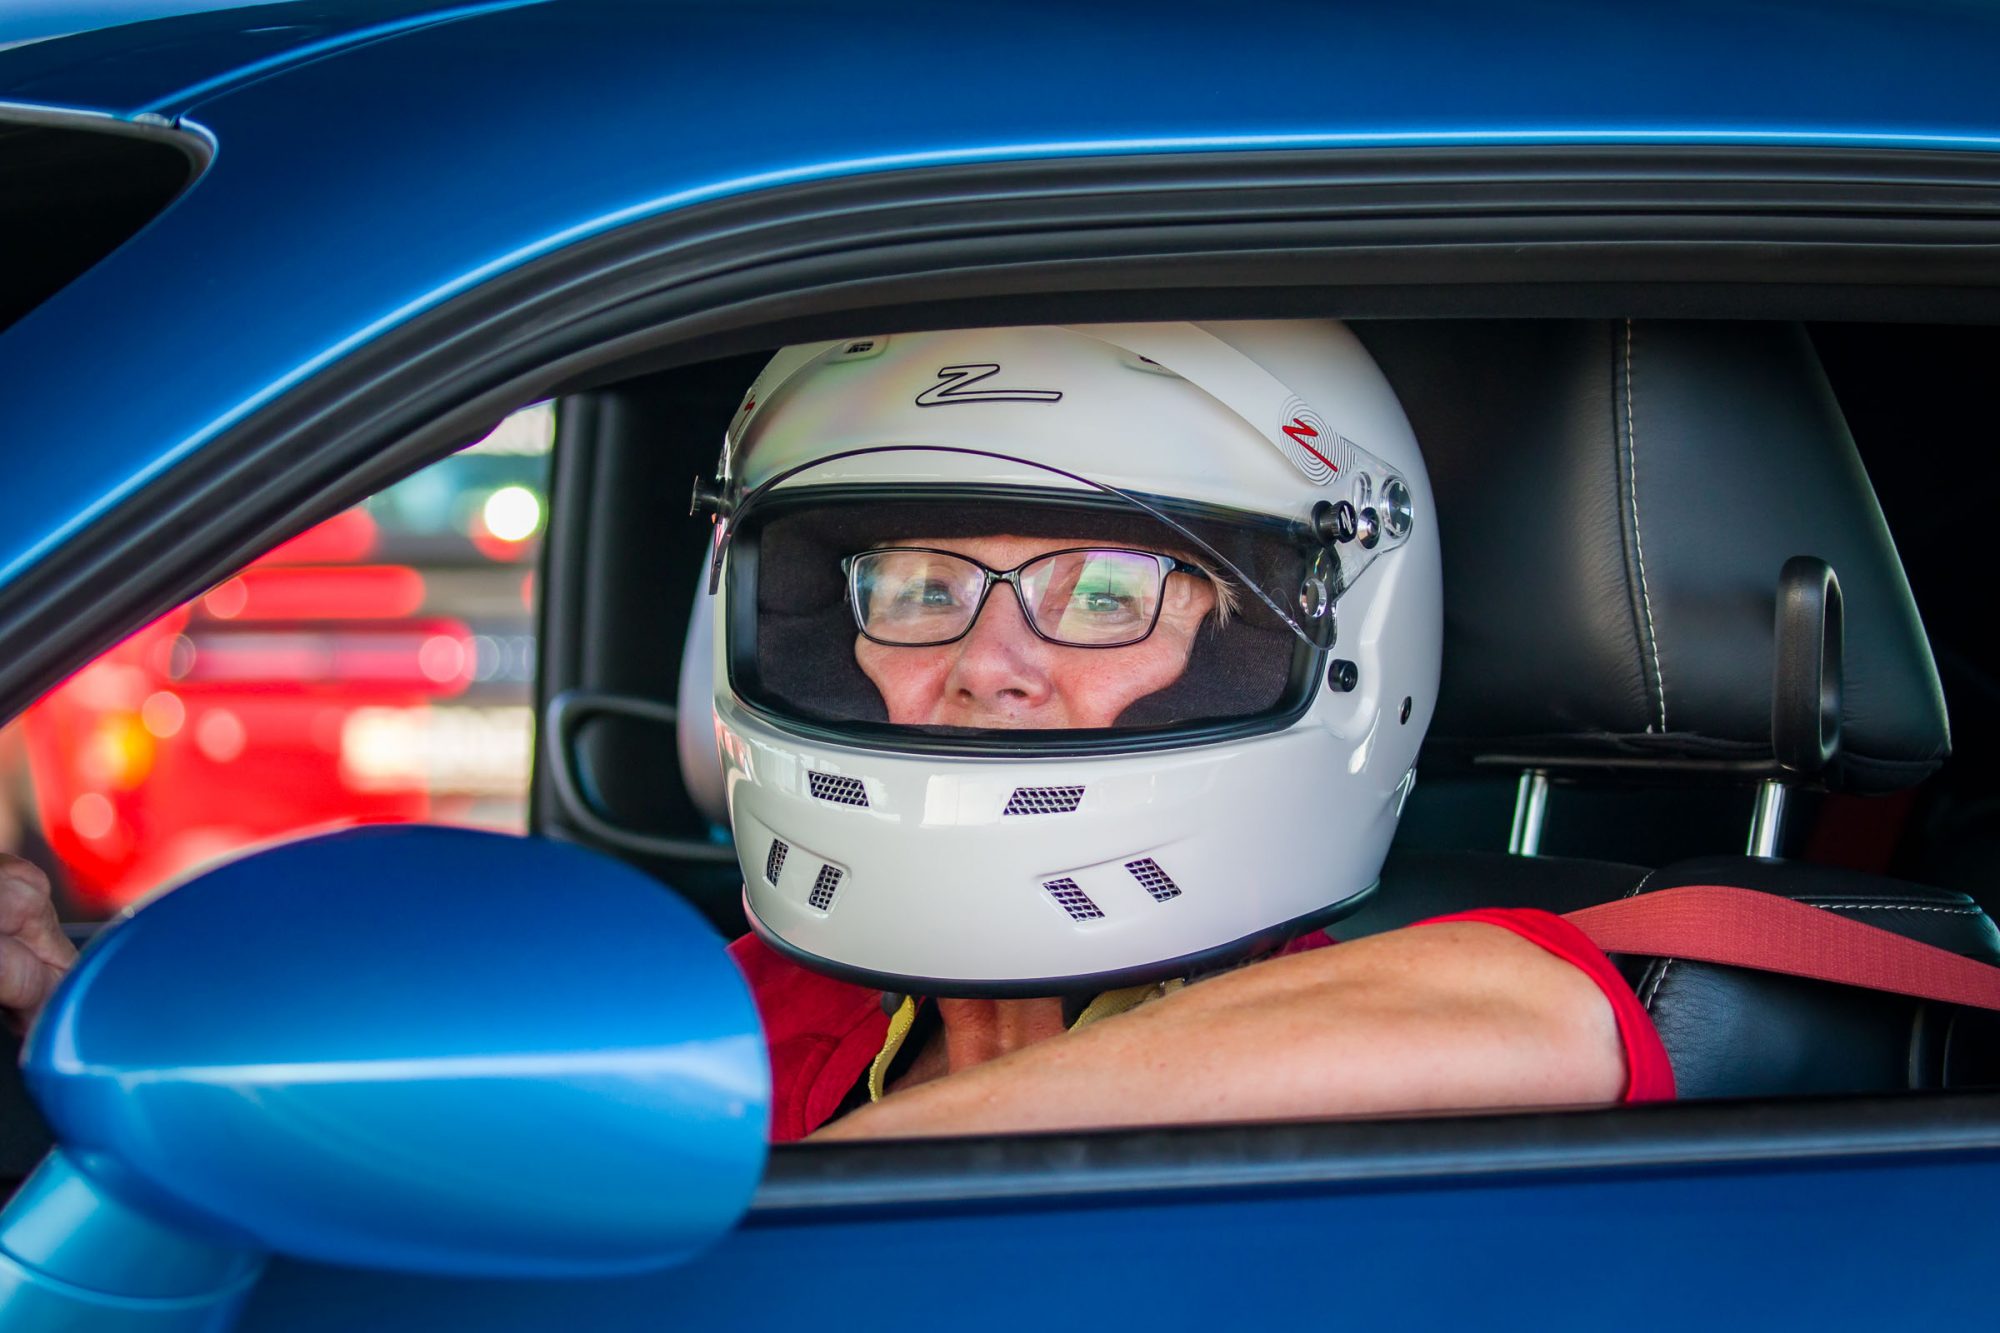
[{"x": 1616, "y": 501}]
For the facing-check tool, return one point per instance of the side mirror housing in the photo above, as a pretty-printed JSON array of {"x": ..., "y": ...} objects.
[{"x": 426, "y": 1049}]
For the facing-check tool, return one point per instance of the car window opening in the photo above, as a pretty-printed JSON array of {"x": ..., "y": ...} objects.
[
  {"x": 1649, "y": 806},
  {"x": 377, "y": 667}
]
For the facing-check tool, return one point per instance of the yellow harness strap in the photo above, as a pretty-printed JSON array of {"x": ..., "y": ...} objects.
[
  {"x": 1104, "y": 1006},
  {"x": 1113, "y": 1002},
  {"x": 892, "y": 1042}
]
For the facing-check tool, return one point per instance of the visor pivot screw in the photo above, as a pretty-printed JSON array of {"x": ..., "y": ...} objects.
[
  {"x": 1334, "y": 523},
  {"x": 1369, "y": 531},
  {"x": 707, "y": 498},
  {"x": 1405, "y": 718},
  {"x": 1315, "y": 599},
  {"x": 1342, "y": 676}
]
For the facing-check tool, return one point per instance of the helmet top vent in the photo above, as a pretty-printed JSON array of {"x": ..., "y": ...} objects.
[
  {"x": 774, "y": 860},
  {"x": 823, "y": 888},
  {"x": 1044, "y": 800},
  {"x": 840, "y": 790},
  {"x": 1153, "y": 879},
  {"x": 1073, "y": 900}
]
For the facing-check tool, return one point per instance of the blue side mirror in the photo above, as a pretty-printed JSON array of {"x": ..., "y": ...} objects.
[{"x": 424, "y": 1049}]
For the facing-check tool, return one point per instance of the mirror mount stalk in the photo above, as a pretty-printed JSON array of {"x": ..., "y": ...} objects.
[{"x": 72, "y": 1255}]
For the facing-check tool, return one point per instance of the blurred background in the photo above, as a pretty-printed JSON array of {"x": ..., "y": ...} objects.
[{"x": 378, "y": 667}]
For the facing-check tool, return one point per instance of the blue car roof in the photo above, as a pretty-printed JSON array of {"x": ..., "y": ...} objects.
[
  {"x": 373, "y": 159},
  {"x": 162, "y": 66}
]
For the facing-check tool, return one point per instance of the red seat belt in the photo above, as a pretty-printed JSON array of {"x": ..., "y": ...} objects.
[{"x": 1713, "y": 923}]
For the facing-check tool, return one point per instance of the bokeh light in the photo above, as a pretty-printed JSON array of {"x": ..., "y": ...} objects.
[{"x": 512, "y": 513}]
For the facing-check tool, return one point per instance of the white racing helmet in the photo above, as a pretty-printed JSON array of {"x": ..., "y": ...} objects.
[{"x": 1251, "y": 799}]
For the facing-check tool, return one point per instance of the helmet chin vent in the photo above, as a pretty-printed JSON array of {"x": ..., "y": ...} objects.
[
  {"x": 839, "y": 790},
  {"x": 1044, "y": 801},
  {"x": 1153, "y": 879},
  {"x": 774, "y": 861},
  {"x": 1073, "y": 900},
  {"x": 823, "y": 888}
]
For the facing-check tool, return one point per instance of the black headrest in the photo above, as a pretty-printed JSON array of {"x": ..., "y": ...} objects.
[{"x": 1616, "y": 500}]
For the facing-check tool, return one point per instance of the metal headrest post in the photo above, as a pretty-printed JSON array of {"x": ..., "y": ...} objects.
[
  {"x": 1808, "y": 643},
  {"x": 1531, "y": 807}
]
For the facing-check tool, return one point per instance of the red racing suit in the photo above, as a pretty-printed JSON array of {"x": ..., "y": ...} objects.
[{"x": 823, "y": 1034}]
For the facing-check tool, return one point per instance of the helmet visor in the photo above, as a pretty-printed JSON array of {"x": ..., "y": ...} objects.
[{"x": 815, "y": 575}]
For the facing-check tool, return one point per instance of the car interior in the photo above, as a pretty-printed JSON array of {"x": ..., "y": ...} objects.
[{"x": 1617, "y": 501}]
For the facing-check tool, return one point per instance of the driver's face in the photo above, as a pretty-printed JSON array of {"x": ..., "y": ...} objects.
[{"x": 1001, "y": 675}]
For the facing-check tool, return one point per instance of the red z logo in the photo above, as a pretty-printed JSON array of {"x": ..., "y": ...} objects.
[{"x": 1299, "y": 431}]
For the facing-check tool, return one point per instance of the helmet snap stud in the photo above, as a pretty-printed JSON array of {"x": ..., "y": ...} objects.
[
  {"x": 1334, "y": 522},
  {"x": 1342, "y": 675},
  {"x": 707, "y": 498}
]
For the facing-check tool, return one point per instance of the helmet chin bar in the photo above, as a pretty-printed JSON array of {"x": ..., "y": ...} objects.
[
  {"x": 1046, "y": 875},
  {"x": 1372, "y": 517}
]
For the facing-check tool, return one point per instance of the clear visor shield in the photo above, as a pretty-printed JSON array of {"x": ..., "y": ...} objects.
[{"x": 1113, "y": 552}]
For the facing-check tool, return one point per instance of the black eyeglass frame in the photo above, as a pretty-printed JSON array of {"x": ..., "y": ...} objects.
[{"x": 1169, "y": 565}]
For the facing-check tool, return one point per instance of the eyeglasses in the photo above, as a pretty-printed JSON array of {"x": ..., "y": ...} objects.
[{"x": 1088, "y": 597}]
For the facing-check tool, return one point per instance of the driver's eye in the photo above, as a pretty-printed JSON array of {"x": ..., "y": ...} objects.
[
  {"x": 927, "y": 594},
  {"x": 1103, "y": 603}
]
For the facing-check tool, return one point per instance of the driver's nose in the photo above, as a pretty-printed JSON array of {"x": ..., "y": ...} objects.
[{"x": 1001, "y": 667}]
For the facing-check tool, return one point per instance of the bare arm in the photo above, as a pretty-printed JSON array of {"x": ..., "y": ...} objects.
[{"x": 1456, "y": 1015}]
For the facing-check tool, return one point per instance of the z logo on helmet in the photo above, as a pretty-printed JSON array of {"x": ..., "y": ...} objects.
[
  {"x": 1308, "y": 444},
  {"x": 955, "y": 386}
]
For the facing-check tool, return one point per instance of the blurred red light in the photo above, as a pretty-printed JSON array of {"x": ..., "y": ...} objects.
[
  {"x": 499, "y": 548},
  {"x": 347, "y": 538},
  {"x": 308, "y": 592}
]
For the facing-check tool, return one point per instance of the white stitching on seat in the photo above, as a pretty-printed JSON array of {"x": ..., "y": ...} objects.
[
  {"x": 1638, "y": 546},
  {"x": 1646, "y": 1000},
  {"x": 1644, "y": 880},
  {"x": 1653, "y": 988}
]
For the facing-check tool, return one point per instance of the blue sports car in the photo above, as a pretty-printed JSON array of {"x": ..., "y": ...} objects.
[{"x": 1691, "y": 310}]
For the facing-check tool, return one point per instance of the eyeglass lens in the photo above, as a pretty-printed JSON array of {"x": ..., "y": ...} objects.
[{"x": 1089, "y": 598}]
